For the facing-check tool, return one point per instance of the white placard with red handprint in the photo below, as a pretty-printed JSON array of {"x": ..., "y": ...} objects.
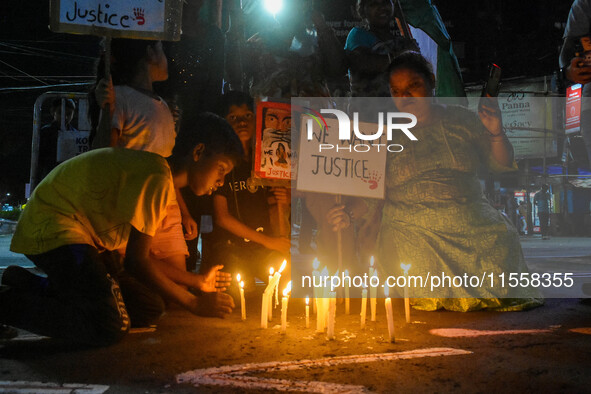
[
  {"x": 329, "y": 165},
  {"x": 157, "y": 19}
]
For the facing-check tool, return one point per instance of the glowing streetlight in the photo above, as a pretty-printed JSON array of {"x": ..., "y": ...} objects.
[{"x": 273, "y": 6}]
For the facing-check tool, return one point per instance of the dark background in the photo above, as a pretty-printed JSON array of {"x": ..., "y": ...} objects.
[{"x": 523, "y": 37}]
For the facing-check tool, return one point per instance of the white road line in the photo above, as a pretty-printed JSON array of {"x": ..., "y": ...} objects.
[
  {"x": 237, "y": 375},
  {"x": 467, "y": 333},
  {"x": 581, "y": 330},
  {"x": 51, "y": 388}
]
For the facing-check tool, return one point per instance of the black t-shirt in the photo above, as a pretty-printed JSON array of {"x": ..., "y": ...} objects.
[{"x": 246, "y": 202}]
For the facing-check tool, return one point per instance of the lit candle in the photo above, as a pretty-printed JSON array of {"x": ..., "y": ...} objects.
[
  {"x": 332, "y": 309},
  {"x": 405, "y": 268},
  {"x": 373, "y": 302},
  {"x": 322, "y": 312},
  {"x": 389, "y": 315},
  {"x": 284, "y": 308},
  {"x": 268, "y": 294},
  {"x": 277, "y": 285},
  {"x": 347, "y": 303},
  {"x": 307, "y": 312},
  {"x": 316, "y": 274},
  {"x": 242, "y": 302},
  {"x": 270, "y": 314},
  {"x": 363, "y": 307}
]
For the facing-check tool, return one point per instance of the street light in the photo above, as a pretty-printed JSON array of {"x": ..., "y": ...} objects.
[{"x": 273, "y": 6}]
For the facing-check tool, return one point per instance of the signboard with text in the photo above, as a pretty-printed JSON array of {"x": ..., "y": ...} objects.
[
  {"x": 147, "y": 19},
  {"x": 525, "y": 117}
]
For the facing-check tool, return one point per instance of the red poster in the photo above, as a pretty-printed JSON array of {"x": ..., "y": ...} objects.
[
  {"x": 273, "y": 154},
  {"x": 573, "y": 109}
]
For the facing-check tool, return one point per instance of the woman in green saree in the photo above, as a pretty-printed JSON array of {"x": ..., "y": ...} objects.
[{"x": 435, "y": 216}]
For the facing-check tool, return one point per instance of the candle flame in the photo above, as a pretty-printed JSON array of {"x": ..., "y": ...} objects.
[
  {"x": 324, "y": 271},
  {"x": 307, "y": 300},
  {"x": 242, "y": 284},
  {"x": 287, "y": 289},
  {"x": 271, "y": 271},
  {"x": 283, "y": 266},
  {"x": 371, "y": 261},
  {"x": 315, "y": 263},
  {"x": 386, "y": 291},
  {"x": 238, "y": 278},
  {"x": 346, "y": 272}
]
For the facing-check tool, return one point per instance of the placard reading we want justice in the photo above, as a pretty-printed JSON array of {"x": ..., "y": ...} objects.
[
  {"x": 339, "y": 154},
  {"x": 148, "y": 19}
]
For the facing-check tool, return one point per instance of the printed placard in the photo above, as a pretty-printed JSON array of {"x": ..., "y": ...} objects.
[
  {"x": 147, "y": 19},
  {"x": 273, "y": 157}
]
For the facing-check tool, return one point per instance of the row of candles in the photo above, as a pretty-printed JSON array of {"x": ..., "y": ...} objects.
[{"x": 324, "y": 302}]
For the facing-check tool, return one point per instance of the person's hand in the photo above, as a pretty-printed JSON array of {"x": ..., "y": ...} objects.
[
  {"x": 190, "y": 226},
  {"x": 215, "y": 280},
  {"x": 214, "y": 304},
  {"x": 578, "y": 72},
  {"x": 282, "y": 195},
  {"x": 280, "y": 244},
  {"x": 338, "y": 218},
  {"x": 490, "y": 115},
  {"x": 104, "y": 93}
]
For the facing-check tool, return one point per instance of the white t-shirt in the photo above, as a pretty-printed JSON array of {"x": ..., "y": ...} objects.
[{"x": 145, "y": 122}]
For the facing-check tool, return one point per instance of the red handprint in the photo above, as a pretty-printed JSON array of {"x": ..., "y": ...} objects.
[
  {"x": 139, "y": 16},
  {"x": 373, "y": 180}
]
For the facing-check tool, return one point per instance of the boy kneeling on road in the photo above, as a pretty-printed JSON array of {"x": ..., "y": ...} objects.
[{"x": 104, "y": 200}]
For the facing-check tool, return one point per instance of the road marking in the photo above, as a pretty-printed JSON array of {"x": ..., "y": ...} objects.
[
  {"x": 582, "y": 330},
  {"x": 237, "y": 375},
  {"x": 51, "y": 388},
  {"x": 467, "y": 333}
]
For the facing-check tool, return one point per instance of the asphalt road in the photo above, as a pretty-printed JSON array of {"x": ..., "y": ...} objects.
[{"x": 546, "y": 349}]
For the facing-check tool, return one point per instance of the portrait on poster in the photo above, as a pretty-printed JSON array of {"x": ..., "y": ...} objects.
[{"x": 273, "y": 161}]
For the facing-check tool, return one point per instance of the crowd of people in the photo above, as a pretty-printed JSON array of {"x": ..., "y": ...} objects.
[{"x": 115, "y": 229}]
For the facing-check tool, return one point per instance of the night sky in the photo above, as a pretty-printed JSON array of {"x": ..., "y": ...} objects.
[{"x": 523, "y": 37}]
